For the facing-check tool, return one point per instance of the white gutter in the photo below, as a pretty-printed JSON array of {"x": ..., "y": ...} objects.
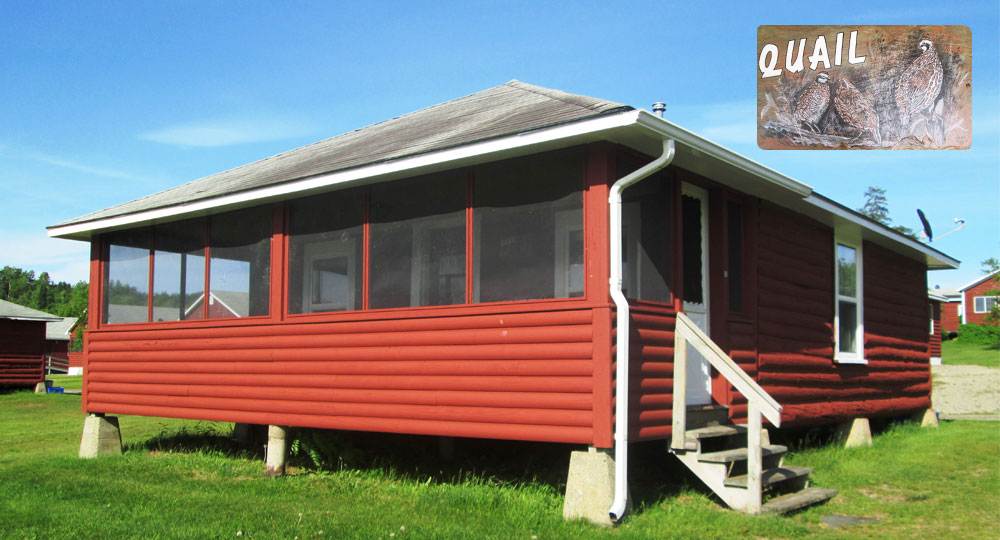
[{"x": 617, "y": 509}]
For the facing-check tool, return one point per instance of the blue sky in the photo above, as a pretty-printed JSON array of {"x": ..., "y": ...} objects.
[{"x": 103, "y": 102}]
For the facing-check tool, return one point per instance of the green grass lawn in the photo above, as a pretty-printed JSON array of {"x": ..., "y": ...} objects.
[
  {"x": 955, "y": 352},
  {"x": 185, "y": 479},
  {"x": 68, "y": 382}
]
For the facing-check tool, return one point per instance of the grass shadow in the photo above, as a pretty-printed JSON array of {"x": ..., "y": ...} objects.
[{"x": 207, "y": 440}]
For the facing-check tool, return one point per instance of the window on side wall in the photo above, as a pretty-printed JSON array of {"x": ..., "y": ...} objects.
[
  {"x": 848, "y": 301},
  {"x": 984, "y": 304}
]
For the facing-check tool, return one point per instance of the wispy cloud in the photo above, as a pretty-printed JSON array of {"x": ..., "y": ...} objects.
[
  {"x": 64, "y": 260},
  {"x": 46, "y": 158},
  {"x": 84, "y": 168},
  {"x": 213, "y": 133}
]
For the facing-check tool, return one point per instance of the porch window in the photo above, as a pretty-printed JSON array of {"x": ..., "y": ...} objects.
[
  {"x": 126, "y": 278},
  {"x": 848, "y": 320},
  {"x": 646, "y": 239},
  {"x": 527, "y": 243},
  {"x": 418, "y": 242},
  {"x": 179, "y": 271},
  {"x": 240, "y": 263},
  {"x": 325, "y": 252}
]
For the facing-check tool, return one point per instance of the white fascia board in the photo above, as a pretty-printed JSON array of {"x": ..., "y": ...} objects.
[
  {"x": 706, "y": 146},
  {"x": 978, "y": 280},
  {"x": 36, "y": 319},
  {"x": 868, "y": 225},
  {"x": 936, "y": 297},
  {"x": 367, "y": 172}
]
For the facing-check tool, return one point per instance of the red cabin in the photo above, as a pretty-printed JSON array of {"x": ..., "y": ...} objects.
[
  {"x": 23, "y": 346},
  {"x": 979, "y": 298},
  {"x": 447, "y": 273}
]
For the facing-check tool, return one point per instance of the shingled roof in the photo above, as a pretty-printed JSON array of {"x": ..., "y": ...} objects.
[
  {"x": 511, "y": 108},
  {"x": 10, "y": 310}
]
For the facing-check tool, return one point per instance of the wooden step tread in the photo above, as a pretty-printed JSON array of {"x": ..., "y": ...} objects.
[
  {"x": 739, "y": 454},
  {"x": 770, "y": 476},
  {"x": 799, "y": 499},
  {"x": 715, "y": 431}
]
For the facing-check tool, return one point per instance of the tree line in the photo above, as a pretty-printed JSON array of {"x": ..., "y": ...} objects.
[{"x": 39, "y": 292}]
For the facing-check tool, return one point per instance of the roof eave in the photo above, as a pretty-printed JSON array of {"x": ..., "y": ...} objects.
[{"x": 506, "y": 146}]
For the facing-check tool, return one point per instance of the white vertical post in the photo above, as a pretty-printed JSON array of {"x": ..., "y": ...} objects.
[
  {"x": 753, "y": 458},
  {"x": 678, "y": 440}
]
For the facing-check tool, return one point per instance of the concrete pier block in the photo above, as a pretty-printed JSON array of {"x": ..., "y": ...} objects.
[
  {"x": 856, "y": 432},
  {"x": 43, "y": 387},
  {"x": 277, "y": 451},
  {"x": 590, "y": 486},
  {"x": 928, "y": 418},
  {"x": 101, "y": 437}
]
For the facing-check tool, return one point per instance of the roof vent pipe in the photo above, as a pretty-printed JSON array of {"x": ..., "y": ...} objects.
[{"x": 658, "y": 108}]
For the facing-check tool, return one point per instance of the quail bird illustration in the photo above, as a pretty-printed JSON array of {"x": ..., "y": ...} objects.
[
  {"x": 920, "y": 83},
  {"x": 813, "y": 102},
  {"x": 855, "y": 109}
]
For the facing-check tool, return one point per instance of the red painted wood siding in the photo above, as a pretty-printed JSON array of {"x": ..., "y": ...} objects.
[
  {"x": 982, "y": 289},
  {"x": 651, "y": 367},
  {"x": 934, "y": 345},
  {"x": 76, "y": 359},
  {"x": 951, "y": 316},
  {"x": 503, "y": 375},
  {"x": 796, "y": 333},
  {"x": 22, "y": 350},
  {"x": 896, "y": 331}
]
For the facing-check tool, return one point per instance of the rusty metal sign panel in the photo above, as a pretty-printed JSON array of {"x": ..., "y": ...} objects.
[{"x": 864, "y": 87}]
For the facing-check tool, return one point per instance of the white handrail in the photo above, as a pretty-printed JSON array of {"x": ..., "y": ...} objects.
[{"x": 759, "y": 402}]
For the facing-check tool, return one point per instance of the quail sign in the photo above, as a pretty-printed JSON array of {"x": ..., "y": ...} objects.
[{"x": 864, "y": 87}]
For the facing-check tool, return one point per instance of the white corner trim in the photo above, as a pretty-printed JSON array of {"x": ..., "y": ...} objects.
[{"x": 368, "y": 172}]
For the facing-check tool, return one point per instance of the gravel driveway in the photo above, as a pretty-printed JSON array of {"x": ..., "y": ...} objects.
[{"x": 966, "y": 392}]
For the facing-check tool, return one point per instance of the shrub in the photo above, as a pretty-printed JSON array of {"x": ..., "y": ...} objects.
[{"x": 986, "y": 334}]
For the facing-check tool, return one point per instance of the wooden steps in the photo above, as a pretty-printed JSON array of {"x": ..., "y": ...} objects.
[
  {"x": 791, "y": 502},
  {"x": 717, "y": 453}
]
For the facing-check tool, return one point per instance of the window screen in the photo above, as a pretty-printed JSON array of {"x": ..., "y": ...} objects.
[
  {"x": 646, "y": 239},
  {"x": 529, "y": 222},
  {"x": 179, "y": 271},
  {"x": 418, "y": 242},
  {"x": 325, "y": 252},
  {"x": 240, "y": 266},
  {"x": 126, "y": 278}
]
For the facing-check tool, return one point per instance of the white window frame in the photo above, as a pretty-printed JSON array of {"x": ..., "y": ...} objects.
[
  {"x": 853, "y": 241},
  {"x": 329, "y": 249},
  {"x": 985, "y": 299},
  {"x": 421, "y": 232},
  {"x": 567, "y": 223}
]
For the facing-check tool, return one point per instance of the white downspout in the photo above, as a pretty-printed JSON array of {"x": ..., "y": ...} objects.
[{"x": 617, "y": 509}]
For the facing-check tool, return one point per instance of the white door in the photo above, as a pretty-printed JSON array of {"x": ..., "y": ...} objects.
[{"x": 694, "y": 251}]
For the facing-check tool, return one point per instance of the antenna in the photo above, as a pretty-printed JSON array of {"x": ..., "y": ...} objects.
[
  {"x": 927, "y": 233},
  {"x": 961, "y": 225}
]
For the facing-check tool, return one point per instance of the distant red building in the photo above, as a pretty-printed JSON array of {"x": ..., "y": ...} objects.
[
  {"x": 976, "y": 300},
  {"x": 22, "y": 344}
]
